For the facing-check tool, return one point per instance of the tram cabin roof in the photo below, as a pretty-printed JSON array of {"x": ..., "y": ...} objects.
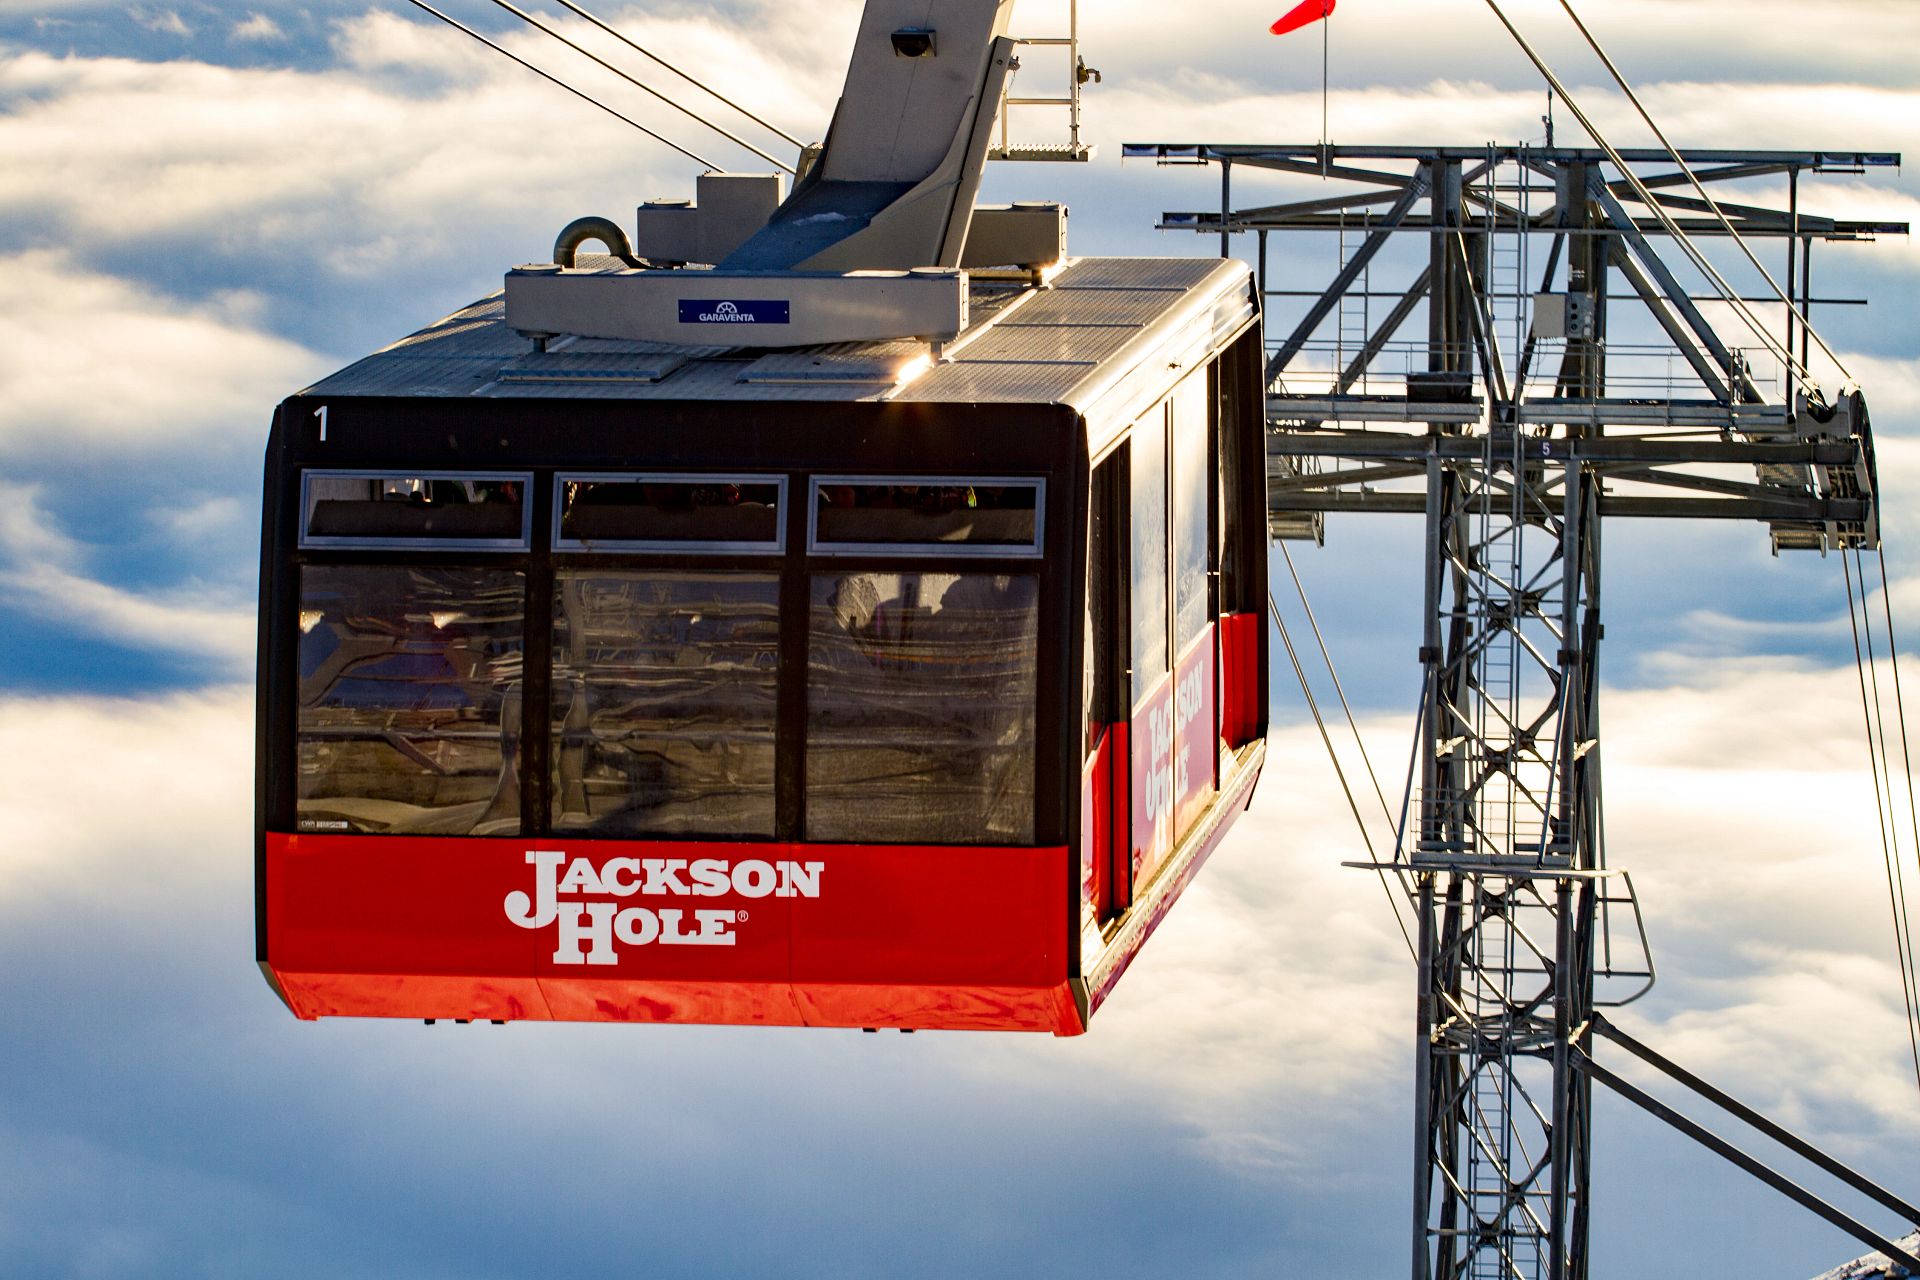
[{"x": 1102, "y": 335}]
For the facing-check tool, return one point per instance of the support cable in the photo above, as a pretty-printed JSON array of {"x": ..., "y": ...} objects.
[
  {"x": 1896, "y": 877},
  {"x": 706, "y": 89},
  {"x": 1693, "y": 252},
  {"x": 1699, "y": 186},
  {"x": 1888, "y": 853},
  {"x": 1913, "y": 812},
  {"x": 457, "y": 25},
  {"x": 538, "y": 25},
  {"x": 1313, "y": 705},
  {"x": 1327, "y": 658}
]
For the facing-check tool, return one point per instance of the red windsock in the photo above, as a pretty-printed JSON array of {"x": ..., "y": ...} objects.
[{"x": 1302, "y": 14}]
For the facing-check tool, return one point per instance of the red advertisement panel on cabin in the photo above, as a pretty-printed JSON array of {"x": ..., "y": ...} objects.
[
  {"x": 836, "y": 935},
  {"x": 1175, "y": 757}
]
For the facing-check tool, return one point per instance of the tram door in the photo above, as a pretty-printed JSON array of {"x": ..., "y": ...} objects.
[
  {"x": 1151, "y": 762},
  {"x": 1104, "y": 879},
  {"x": 1172, "y": 701}
]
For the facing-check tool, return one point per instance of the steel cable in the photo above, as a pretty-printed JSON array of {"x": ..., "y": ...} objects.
[
  {"x": 1866, "y": 665},
  {"x": 1906, "y": 760},
  {"x": 712, "y": 92},
  {"x": 1327, "y": 658},
  {"x": 1889, "y": 854},
  {"x": 538, "y": 25},
  {"x": 1313, "y": 705},
  {"x": 1898, "y": 888},
  {"x": 457, "y": 25},
  {"x": 1699, "y": 186},
  {"x": 1694, "y": 254}
]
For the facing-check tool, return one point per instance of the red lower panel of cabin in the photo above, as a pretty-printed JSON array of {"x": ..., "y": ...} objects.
[
  {"x": 1240, "y": 704},
  {"x": 640, "y": 931}
]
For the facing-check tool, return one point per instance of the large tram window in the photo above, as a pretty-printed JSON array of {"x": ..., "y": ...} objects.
[
  {"x": 920, "y": 708},
  {"x": 668, "y": 513},
  {"x": 409, "y": 718},
  {"x": 1148, "y": 466},
  {"x": 942, "y": 514},
  {"x": 367, "y": 509},
  {"x": 1191, "y": 481},
  {"x": 663, "y": 702}
]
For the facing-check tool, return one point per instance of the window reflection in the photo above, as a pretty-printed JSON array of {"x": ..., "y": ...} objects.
[
  {"x": 348, "y": 509},
  {"x": 670, "y": 513},
  {"x": 663, "y": 702},
  {"x": 409, "y": 718},
  {"x": 1149, "y": 469},
  {"x": 932, "y": 514},
  {"x": 920, "y": 708},
  {"x": 1191, "y": 477}
]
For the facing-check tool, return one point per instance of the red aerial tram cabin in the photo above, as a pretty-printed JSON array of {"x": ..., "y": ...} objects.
[
  {"x": 863, "y": 631},
  {"x": 833, "y": 687}
]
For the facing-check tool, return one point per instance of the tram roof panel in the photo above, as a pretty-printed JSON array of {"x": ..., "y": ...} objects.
[{"x": 1071, "y": 341}]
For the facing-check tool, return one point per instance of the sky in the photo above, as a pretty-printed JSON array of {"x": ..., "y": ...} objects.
[{"x": 205, "y": 207}]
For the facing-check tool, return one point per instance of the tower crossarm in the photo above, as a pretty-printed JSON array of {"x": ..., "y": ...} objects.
[
  {"x": 1660, "y": 476},
  {"x": 1560, "y": 309}
]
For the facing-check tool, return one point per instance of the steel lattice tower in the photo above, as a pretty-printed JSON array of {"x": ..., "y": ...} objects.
[{"x": 1513, "y": 428}]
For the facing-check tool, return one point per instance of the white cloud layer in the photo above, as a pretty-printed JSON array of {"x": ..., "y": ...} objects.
[
  {"x": 1263, "y": 1033},
  {"x": 266, "y": 160},
  {"x": 310, "y": 156},
  {"x": 92, "y": 362}
]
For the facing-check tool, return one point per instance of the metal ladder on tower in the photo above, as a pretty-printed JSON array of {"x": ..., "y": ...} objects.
[
  {"x": 1078, "y": 75},
  {"x": 1354, "y": 320},
  {"x": 1503, "y": 297}
]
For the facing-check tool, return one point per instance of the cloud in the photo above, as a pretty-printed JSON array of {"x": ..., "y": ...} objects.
[
  {"x": 74, "y": 766},
  {"x": 197, "y": 519},
  {"x": 1402, "y": 41},
  {"x": 164, "y": 21},
  {"x": 308, "y": 165},
  {"x": 89, "y": 360},
  {"x": 1740, "y": 802},
  {"x": 883, "y": 1141},
  {"x": 256, "y": 28},
  {"x": 1254, "y": 1063},
  {"x": 179, "y": 621},
  {"x": 1255, "y": 1060}
]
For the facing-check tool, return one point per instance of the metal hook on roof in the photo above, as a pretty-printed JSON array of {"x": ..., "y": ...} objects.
[{"x": 582, "y": 230}]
